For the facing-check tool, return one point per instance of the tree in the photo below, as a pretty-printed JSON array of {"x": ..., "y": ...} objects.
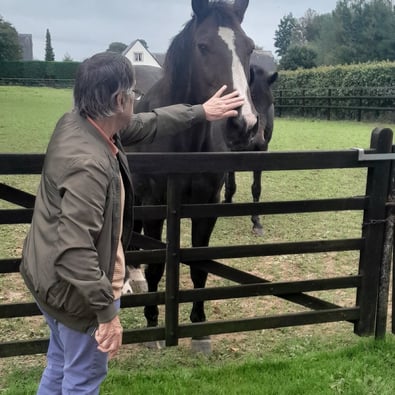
[
  {"x": 116, "y": 47},
  {"x": 310, "y": 24},
  {"x": 298, "y": 57},
  {"x": 379, "y": 31},
  {"x": 283, "y": 35},
  {"x": 10, "y": 48},
  {"x": 355, "y": 31},
  {"x": 49, "y": 53},
  {"x": 362, "y": 30},
  {"x": 67, "y": 58},
  {"x": 323, "y": 42}
]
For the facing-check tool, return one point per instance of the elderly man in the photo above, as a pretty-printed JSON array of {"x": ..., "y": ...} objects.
[{"x": 73, "y": 256}]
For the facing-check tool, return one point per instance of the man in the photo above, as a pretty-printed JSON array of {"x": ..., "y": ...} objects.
[{"x": 73, "y": 256}]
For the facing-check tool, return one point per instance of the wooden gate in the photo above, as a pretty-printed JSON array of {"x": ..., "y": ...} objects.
[{"x": 369, "y": 313}]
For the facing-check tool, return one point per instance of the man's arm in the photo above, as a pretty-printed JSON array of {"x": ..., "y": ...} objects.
[{"x": 174, "y": 119}]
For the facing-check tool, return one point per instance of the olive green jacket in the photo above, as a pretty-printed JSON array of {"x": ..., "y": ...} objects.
[{"x": 69, "y": 253}]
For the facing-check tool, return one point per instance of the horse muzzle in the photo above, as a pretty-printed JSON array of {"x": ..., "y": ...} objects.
[{"x": 240, "y": 133}]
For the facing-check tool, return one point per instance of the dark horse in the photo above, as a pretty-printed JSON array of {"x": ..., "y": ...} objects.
[
  {"x": 262, "y": 97},
  {"x": 146, "y": 77},
  {"x": 210, "y": 51}
]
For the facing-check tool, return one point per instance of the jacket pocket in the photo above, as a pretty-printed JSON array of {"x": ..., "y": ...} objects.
[{"x": 63, "y": 296}]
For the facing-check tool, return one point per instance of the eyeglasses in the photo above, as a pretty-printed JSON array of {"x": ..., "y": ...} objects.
[{"x": 135, "y": 93}]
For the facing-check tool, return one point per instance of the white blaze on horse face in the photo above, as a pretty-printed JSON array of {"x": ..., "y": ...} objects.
[{"x": 239, "y": 78}]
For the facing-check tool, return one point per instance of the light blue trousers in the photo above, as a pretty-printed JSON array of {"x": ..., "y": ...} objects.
[{"x": 74, "y": 364}]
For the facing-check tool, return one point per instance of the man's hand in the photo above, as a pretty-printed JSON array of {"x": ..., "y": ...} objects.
[
  {"x": 109, "y": 337},
  {"x": 218, "y": 106}
]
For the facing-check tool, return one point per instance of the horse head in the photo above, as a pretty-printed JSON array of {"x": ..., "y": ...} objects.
[
  {"x": 261, "y": 82},
  {"x": 211, "y": 51}
]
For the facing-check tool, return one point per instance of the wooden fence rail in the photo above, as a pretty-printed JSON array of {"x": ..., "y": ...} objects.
[
  {"x": 330, "y": 104},
  {"x": 40, "y": 82},
  {"x": 366, "y": 282}
]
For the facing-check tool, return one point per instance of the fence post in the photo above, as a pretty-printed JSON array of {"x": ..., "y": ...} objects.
[
  {"x": 172, "y": 260},
  {"x": 359, "y": 111},
  {"x": 280, "y": 102},
  {"x": 328, "y": 116},
  {"x": 374, "y": 220},
  {"x": 388, "y": 247}
]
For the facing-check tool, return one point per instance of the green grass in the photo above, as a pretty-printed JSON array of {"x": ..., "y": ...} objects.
[
  {"x": 28, "y": 116},
  {"x": 365, "y": 368},
  {"x": 320, "y": 359},
  {"x": 361, "y": 369}
]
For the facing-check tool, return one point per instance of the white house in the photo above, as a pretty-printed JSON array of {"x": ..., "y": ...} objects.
[
  {"x": 26, "y": 43},
  {"x": 139, "y": 55}
]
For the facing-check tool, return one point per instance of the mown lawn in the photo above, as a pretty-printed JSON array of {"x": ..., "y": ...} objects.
[
  {"x": 365, "y": 368},
  {"x": 321, "y": 359}
]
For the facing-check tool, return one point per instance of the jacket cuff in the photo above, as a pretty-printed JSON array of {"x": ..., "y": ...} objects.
[
  {"x": 199, "y": 114},
  {"x": 107, "y": 314}
]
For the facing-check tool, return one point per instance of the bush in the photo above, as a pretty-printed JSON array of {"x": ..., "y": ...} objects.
[
  {"x": 353, "y": 81},
  {"x": 38, "y": 73}
]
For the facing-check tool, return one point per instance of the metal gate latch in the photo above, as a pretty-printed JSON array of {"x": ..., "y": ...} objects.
[{"x": 368, "y": 157}]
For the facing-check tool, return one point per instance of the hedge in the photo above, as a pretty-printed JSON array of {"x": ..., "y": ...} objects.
[
  {"x": 377, "y": 74},
  {"x": 38, "y": 73},
  {"x": 367, "y": 79}
]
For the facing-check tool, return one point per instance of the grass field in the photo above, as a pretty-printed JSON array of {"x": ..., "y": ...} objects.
[{"x": 321, "y": 359}]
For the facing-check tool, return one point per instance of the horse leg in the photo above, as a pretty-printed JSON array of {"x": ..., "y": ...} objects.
[
  {"x": 153, "y": 275},
  {"x": 230, "y": 187},
  {"x": 201, "y": 232},
  {"x": 134, "y": 281},
  {"x": 153, "y": 272},
  {"x": 257, "y": 227}
]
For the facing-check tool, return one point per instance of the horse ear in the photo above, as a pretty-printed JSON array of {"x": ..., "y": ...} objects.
[
  {"x": 240, "y": 7},
  {"x": 200, "y": 8}
]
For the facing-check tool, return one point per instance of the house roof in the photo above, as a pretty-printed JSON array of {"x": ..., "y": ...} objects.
[
  {"x": 133, "y": 43},
  {"x": 26, "y": 43},
  {"x": 146, "y": 76},
  {"x": 160, "y": 57},
  {"x": 130, "y": 46}
]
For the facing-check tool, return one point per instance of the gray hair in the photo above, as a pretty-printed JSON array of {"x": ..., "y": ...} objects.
[{"x": 99, "y": 79}]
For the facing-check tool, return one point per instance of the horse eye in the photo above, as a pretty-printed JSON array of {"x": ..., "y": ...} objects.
[{"x": 203, "y": 48}]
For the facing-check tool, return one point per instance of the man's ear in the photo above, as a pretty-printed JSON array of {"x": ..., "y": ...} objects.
[{"x": 120, "y": 101}]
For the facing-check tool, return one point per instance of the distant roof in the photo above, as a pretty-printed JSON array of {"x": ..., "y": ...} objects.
[
  {"x": 26, "y": 43},
  {"x": 150, "y": 55},
  {"x": 160, "y": 57}
]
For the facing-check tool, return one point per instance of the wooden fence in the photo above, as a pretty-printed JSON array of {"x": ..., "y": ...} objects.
[
  {"x": 335, "y": 103},
  {"x": 40, "y": 82},
  {"x": 371, "y": 282}
]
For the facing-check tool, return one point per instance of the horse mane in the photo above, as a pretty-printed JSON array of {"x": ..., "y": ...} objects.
[{"x": 177, "y": 64}]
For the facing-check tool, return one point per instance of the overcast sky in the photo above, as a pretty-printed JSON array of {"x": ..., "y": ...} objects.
[{"x": 81, "y": 28}]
